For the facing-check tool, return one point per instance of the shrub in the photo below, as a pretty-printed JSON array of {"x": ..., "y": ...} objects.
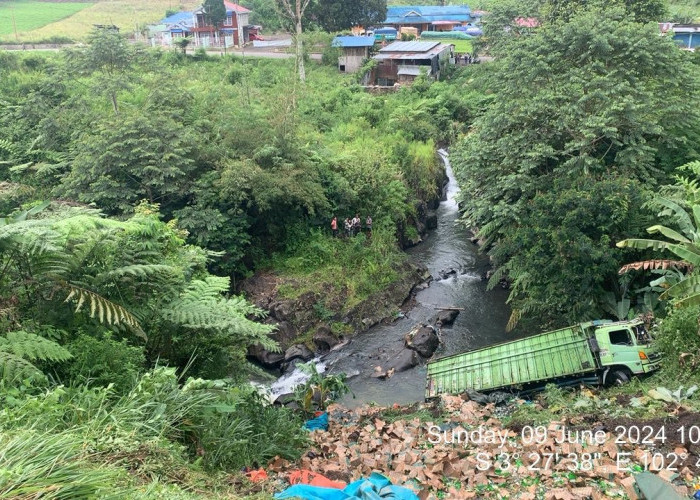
[{"x": 105, "y": 361}]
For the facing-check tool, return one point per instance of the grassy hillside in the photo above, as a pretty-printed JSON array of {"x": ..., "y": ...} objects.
[{"x": 43, "y": 20}]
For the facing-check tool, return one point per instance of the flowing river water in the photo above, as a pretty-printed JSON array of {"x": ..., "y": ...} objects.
[{"x": 481, "y": 321}]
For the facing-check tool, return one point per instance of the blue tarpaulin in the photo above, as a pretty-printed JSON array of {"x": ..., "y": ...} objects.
[
  {"x": 376, "y": 487},
  {"x": 320, "y": 422}
]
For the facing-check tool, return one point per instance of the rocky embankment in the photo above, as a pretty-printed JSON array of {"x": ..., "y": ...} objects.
[{"x": 302, "y": 333}]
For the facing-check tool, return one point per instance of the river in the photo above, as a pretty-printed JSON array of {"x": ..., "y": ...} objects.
[{"x": 481, "y": 322}]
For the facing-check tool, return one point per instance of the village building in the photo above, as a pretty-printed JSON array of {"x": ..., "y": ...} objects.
[
  {"x": 687, "y": 36},
  {"x": 427, "y": 18},
  {"x": 402, "y": 62},
  {"x": 231, "y": 32},
  {"x": 234, "y": 31},
  {"x": 354, "y": 51},
  {"x": 170, "y": 29}
]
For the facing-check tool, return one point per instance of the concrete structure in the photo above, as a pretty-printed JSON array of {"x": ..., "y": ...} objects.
[
  {"x": 355, "y": 50},
  {"x": 402, "y": 62},
  {"x": 428, "y": 18}
]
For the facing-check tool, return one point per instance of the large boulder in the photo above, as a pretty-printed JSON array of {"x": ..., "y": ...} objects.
[
  {"x": 446, "y": 317},
  {"x": 431, "y": 220},
  {"x": 298, "y": 351},
  {"x": 281, "y": 311},
  {"x": 324, "y": 340},
  {"x": 424, "y": 340},
  {"x": 285, "y": 333},
  {"x": 404, "y": 360},
  {"x": 266, "y": 358}
]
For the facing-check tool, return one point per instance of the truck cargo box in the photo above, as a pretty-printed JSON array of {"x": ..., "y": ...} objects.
[{"x": 549, "y": 355}]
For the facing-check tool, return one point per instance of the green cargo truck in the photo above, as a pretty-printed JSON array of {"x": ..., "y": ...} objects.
[{"x": 600, "y": 352}]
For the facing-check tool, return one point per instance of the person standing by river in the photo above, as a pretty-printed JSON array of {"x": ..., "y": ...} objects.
[
  {"x": 356, "y": 225},
  {"x": 368, "y": 225},
  {"x": 334, "y": 226}
]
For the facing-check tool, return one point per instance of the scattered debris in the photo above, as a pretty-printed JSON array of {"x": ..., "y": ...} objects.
[{"x": 459, "y": 449}]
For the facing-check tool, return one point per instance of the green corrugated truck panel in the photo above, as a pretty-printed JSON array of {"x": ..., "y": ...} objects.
[{"x": 549, "y": 355}]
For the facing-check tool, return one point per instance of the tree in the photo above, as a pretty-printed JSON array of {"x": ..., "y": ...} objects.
[
  {"x": 183, "y": 43},
  {"x": 595, "y": 97},
  {"x": 293, "y": 11},
  {"x": 641, "y": 11},
  {"x": 683, "y": 243},
  {"x": 215, "y": 13},
  {"x": 137, "y": 156},
  {"x": 110, "y": 55},
  {"x": 338, "y": 15}
]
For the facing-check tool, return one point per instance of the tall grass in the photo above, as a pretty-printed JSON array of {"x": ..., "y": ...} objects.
[
  {"x": 159, "y": 429},
  {"x": 51, "y": 465},
  {"x": 353, "y": 267}
]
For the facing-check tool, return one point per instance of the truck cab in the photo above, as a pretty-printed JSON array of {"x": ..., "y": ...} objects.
[{"x": 624, "y": 347}]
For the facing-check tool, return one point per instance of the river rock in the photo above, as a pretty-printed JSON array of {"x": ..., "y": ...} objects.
[
  {"x": 324, "y": 340},
  {"x": 288, "y": 400},
  {"x": 420, "y": 227},
  {"x": 431, "y": 220},
  {"x": 368, "y": 323},
  {"x": 404, "y": 360},
  {"x": 424, "y": 340},
  {"x": 298, "y": 351},
  {"x": 447, "y": 317},
  {"x": 411, "y": 242},
  {"x": 285, "y": 332},
  {"x": 265, "y": 357}
]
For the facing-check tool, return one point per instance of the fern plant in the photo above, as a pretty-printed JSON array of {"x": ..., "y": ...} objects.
[{"x": 20, "y": 350}]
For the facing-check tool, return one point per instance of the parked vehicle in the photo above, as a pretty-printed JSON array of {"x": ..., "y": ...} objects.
[{"x": 595, "y": 352}]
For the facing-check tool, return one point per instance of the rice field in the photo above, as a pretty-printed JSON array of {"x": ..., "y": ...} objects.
[
  {"x": 38, "y": 20},
  {"x": 21, "y": 16}
]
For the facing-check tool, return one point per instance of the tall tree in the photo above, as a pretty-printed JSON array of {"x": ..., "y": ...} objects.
[
  {"x": 214, "y": 12},
  {"x": 110, "y": 55},
  {"x": 595, "y": 98},
  {"x": 293, "y": 11},
  {"x": 338, "y": 15}
]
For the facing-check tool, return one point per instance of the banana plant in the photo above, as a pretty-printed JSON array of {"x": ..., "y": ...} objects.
[{"x": 683, "y": 243}]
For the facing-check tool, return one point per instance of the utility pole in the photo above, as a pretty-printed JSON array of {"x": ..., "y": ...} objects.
[{"x": 14, "y": 23}]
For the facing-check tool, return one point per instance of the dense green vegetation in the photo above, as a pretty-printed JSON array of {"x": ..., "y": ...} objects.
[
  {"x": 169, "y": 177},
  {"x": 136, "y": 188},
  {"x": 590, "y": 114}
]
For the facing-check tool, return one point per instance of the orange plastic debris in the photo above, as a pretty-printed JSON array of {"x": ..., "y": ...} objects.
[
  {"x": 257, "y": 475},
  {"x": 305, "y": 476}
]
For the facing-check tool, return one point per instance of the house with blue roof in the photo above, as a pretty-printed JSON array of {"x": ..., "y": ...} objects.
[
  {"x": 354, "y": 51},
  {"x": 178, "y": 25},
  {"x": 235, "y": 30},
  {"x": 428, "y": 17}
]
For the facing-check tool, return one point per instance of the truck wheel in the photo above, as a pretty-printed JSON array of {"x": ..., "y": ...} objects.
[{"x": 618, "y": 377}]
